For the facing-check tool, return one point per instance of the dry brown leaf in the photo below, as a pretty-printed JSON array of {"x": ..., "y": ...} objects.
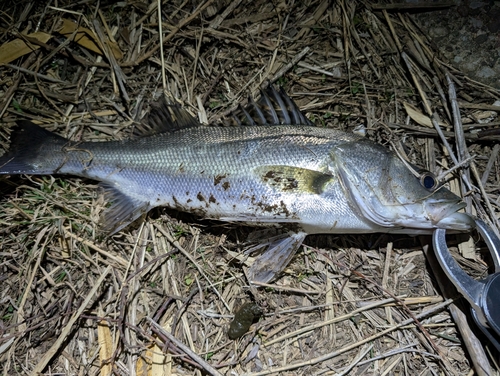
[
  {"x": 18, "y": 47},
  {"x": 143, "y": 365},
  {"x": 468, "y": 249},
  {"x": 161, "y": 363},
  {"x": 86, "y": 38},
  {"x": 154, "y": 362},
  {"x": 105, "y": 347},
  {"x": 419, "y": 117}
]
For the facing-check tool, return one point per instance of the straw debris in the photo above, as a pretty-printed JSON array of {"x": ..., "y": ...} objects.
[{"x": 158, "y": 297}]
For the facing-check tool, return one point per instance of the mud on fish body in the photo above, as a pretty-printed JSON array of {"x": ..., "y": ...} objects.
[{"x": 273, "y": 166}]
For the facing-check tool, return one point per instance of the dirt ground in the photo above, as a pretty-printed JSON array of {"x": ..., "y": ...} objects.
[
  {"x": 468, "y": 36},
  {"x": 158, "y": 297}
]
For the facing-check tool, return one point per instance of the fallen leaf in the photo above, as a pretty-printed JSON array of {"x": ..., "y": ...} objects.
[
  {"x": 18, "y": 47},
  {"x": 105, "y": 347},
  {"x": 419, "y": 117},
  {"x": 86, "y": 38}
]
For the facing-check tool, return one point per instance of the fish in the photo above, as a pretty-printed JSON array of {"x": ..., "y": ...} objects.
[{"x": 273, "y": 167}]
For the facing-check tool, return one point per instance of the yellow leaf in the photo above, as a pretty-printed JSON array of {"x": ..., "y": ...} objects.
[
  {"x": 419, "y": 117},
  {"x": 143, "y": 365},
  {"x": 10, "y": 51},
  {"x": 86, "y": 38},
  {"x": 105, "y": 347},
  {"x": 161, "y": 363},
  {"x": 153, "y": 362}
]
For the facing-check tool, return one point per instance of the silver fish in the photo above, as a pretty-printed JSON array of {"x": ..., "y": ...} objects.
[{"x": 307, "y": 179}]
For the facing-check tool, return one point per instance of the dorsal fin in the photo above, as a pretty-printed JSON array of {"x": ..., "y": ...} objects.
[
  {"x": 272, "y": 108},
  {"x": 166, "y": 116}
]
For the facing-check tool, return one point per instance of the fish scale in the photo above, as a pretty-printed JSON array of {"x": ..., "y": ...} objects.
[{"x": 162, "y": 171}]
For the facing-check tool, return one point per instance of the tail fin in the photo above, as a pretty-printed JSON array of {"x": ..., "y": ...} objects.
[{"x": 33, "y": 150}]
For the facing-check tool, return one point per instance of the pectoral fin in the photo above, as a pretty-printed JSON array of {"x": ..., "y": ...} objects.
[
  {"x": 294, "y": 179},
  {"x": 275, "y": 259}
]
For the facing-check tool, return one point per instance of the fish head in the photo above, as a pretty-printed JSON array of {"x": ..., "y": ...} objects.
[{"x": 383, "y": 190}]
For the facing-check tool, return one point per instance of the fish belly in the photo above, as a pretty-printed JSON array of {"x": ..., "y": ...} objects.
[{"x": 243, "y": 198}]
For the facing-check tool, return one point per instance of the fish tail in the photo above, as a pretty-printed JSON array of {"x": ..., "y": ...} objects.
[{"x": 33, "y": 150}]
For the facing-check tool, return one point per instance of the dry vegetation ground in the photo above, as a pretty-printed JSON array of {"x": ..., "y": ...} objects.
[{"x": 158, "y": 297}]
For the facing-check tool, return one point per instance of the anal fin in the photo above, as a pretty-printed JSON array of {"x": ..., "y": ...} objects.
[{"x": 123, "y": 210}]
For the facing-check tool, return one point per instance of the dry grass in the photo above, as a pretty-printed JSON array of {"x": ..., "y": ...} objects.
[{"x": 158, "y": 297}]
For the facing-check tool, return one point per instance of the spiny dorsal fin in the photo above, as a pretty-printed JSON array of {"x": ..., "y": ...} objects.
[
  {"x": 166, "y": 116},
  {"x": 273, "y": 108}
]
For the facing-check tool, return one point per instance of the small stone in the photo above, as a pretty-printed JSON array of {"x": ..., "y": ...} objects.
[
  {"x": 438, "y": 32},
  {"x": 476, "y": 22},
  {"x": 485, "y": 72},
  {"x": 480, "y": 39}
]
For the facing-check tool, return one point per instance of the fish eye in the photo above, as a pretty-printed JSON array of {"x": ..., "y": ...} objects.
[{"x": 429, "y": 181}]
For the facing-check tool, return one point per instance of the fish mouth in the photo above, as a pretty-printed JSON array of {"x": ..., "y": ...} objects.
[{"x": 445, "y": 214}]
